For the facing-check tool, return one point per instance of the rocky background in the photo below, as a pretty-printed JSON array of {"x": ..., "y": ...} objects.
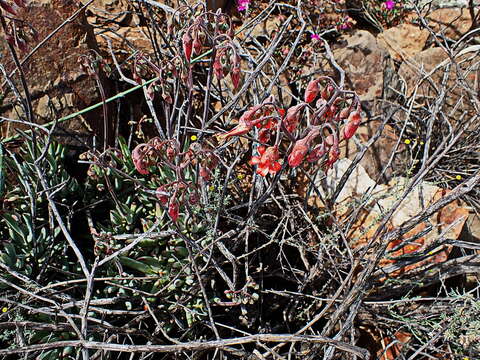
[{"x": 425, "y": 64}]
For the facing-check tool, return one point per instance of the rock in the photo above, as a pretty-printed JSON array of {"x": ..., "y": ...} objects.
[
  {"x": 56, "y": 81},
  {"x": 379, "y": 153},
  {"x": 363, "y": 60},
  {"x": 440, "y": 4},
  {"x": 115, "y": 11},
  {"x": 403, "y": 41},
  {"x": 473, "y": 225},
  {"x": 461, "y": 79},
  {"x": 125, "y": 40},
  {"x": 447, "y": 222},
  {"x": 452, "y": 22}
]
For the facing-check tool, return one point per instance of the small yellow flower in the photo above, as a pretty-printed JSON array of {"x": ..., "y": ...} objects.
[
  {"x": 407, "y": 141},
  {"x": 211, "y": 188},
  {"x": 193, "y": 137},
  {"x": 458, "y": 177},
  {"x": 4, "y": 310},
  {"x": 240, "y": 176},
  {"x": 422, "y": 143}
]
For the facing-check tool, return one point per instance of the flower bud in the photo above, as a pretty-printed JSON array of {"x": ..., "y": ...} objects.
[
  {"x": 235, "y": 72},
  {"x": 205, "y": 173},
  {"x": 293, "y": 117},
  {"x": 173, "y": 210},
  {"x": 317, "y": 153},
  {"x": 187, "y": 42},
  {"x": 312, "y": 91},
  {"x": 197, "y": 44},
  {"x": 162, "y": 195},
  {"x": 138, "y": 158},
  {"x": 353, "y": 122},
  {"x": 298, "y": 153},
  {"x": 301, "y": 148},
  {"x": 7, "y": 7},
  {"x": 333, "y": 155},
  {"x": 218, "y": 67}
]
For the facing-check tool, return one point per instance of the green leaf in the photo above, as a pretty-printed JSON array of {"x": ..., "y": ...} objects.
[
  {"x": 136, "y": 265},
  {"x": 2, "y": 178},
  {"x": 14, "y": 227},
  {"x": 151, "y": 261}
]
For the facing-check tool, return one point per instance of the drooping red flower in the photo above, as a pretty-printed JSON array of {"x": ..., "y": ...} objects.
[
  {"x": 246, "y": 122},
  {"x": 333, "y": 155},
  {"x": 301, "y": 148},
  {"x": 296, "y": 157},
  {"x": 173, "y": 210},
  {"x": 205, "y": 173},
  {"x": 139, "y": 159},
  {"x": 353, "y": 122},
  {"x": 267, "y": 162},
  {"x": 162, "y": 195},
  {"x": 312, "y": 91},
  {"x": 197, "y": 43},
  {"x": 218, "y": 66},
  {"x": 317, "y": 153},
  {"x": 293, "y": 117},
  {"x": 187, "y": 43},
  {"x": 235, "y": 72},
  {"x": 264, "y": 136},
  {"x": 7, "y": 7}
]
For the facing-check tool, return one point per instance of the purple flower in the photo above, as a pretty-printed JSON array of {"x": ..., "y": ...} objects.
[
  {"x": 389, "y": 4},
  {"x": 315, "y": 37},
  {"x": 346, "y": 23},
  {"x": 242, "y": 5}
]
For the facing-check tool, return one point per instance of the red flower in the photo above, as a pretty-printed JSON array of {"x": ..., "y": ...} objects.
[
  {"x": 300, "y": 149},
  {"x": 235, "y": 73},
  {"x": 138, "y": 158},
  {"x": 353, "y": 122},
  {"x": 197, "y": 44},
  {"x": 187, "y": 45},
  {"x": 293, "y": 117},
  {"x": 267, "y": 161},
  {"x": 312, "y": 91},
  {"x": 245, "y": 123},
  {"x": 217, "y": 65},
  {"x": 205, "y": 173},
  {"x": 298, "y": 153},
  {"x": 264, "y": 136},
  {"x": 333, "y": 155},
  {"x": 162, "y": 195},
  {"x": 317, "y": 153},
  {"x": 173, "y": 210},
  {"x": 7, "y": 7}
]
